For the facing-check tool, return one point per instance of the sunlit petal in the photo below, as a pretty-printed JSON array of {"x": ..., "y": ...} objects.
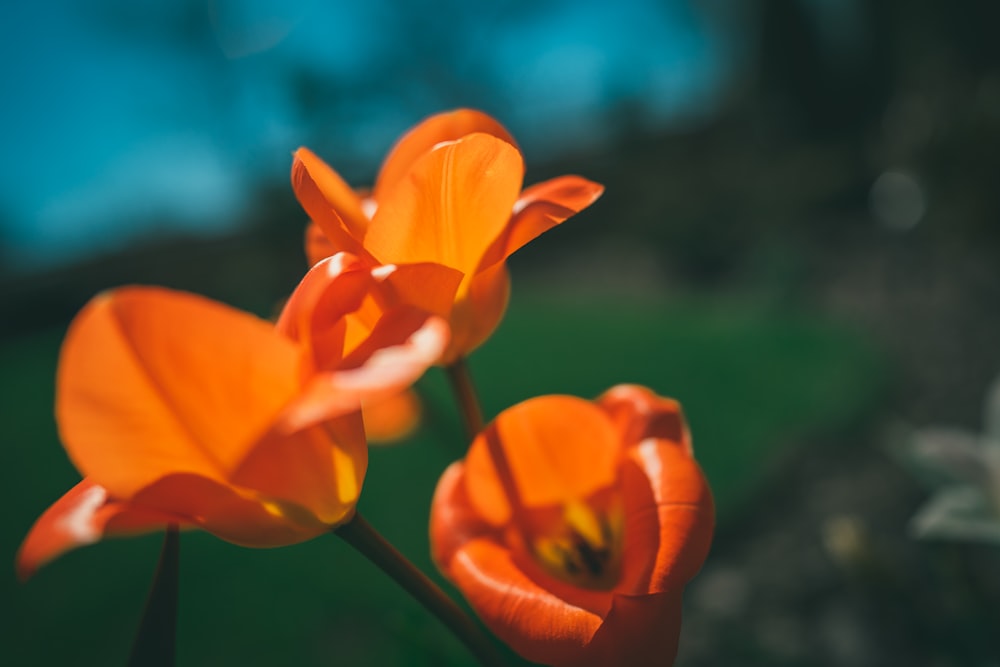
[
  {"x": 315, "y": 314},
  {"x": 540, "y": 208},
  {"x": 320, "y": 468},
  {"x": 478, "y": 311},
  {"x": 341, "y": 220},
  {"x": 153, "y": 382},
  {"x": 427, "y": 286},
  {"x": 437, "y": 129},
  {"x": 455, "y": 202},
  {"x": 548, "y": 450}
]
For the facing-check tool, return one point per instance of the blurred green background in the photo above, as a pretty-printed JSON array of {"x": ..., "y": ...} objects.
[{"x": 802, "y": 248}]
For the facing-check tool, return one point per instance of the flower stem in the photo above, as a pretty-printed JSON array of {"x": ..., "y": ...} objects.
[
  {"x": 155, "y": 641},
  {"x": 366, "y": 540},
  {"x": 465, "y": 394}
]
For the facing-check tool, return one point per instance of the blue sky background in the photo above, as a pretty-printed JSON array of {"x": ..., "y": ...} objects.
[{"x": 123, "y": 119}]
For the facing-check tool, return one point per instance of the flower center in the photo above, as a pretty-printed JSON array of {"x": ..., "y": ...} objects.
[{"x": 584, "y": 549}]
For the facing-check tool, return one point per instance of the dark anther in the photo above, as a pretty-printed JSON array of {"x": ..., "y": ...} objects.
[{"x": 593, "y": 559}]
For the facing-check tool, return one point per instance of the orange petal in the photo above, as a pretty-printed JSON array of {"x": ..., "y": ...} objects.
[
  {"x": 448, "y": 126},
  {"x": 549, "y": 450},
  {"x": 404, "y": 343},
  {"x": 638, "y": 413},
  {"x": 315, "y": 313},
  {"x": 391, "y": 419},
  {"x": 452, "y": 206},
  {"x": 639, "y": 630},
  {"x": 669, "y": 518},
  {"x": 340, "y": 301},
  {"x": 454, "y": 521},
  {"x": 540, "y": 208},
  {"x": 153, "y": 382},
  {"x": 397, "y": 353},
  {"x": 478, "y": 311},
  {"x": 329, "y": 201},
  {"x": 86, "y": 514},
  {"x": 540, "y": 626},
  {"x": 426, "y": 286},
  {"x": 319, "y": 469},
  {"x": 389, "y": 353},
  {"x": 236, "y": 515}
]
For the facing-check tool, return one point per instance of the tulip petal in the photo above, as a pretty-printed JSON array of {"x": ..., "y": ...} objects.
[
  {"x": 320, "y": 468},
  {"x": 639, "y": 413},
  {"x": 399, "y": 350},
  {"x": 478, "y": 311},
  {"x": 528, "y": 617},
  {"x": 437, "y": 129},
  {"x": 455, "y": 202},
  {"x": 240, "y": 516},
  {"x": 329, "y": 202},
  {"x": 340, "y": 301},
  {"x": 639, "y": 630},
  {"x": 540, "y": 208},
  {"x": 549, "y": 450},
  {"x": 391, "y": 419},
  {"x": 153, "y": 382},
  {"x": 426, "y": 286},
  {"x": 315, "y": 314},
  {"x": 669, "y": 518},
  {"x": 404, "y": 343},
  {"x": 454, "y": 521},
  {"x": 84, "y": 515}
]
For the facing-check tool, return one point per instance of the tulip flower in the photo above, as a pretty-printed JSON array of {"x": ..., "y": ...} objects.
[
  {"x": 572, "y": 527},
  {"x": 449, "y": 192},
  {"x": 180, "y": 410}
]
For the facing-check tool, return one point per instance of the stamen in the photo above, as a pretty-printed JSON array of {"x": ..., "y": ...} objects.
[{"x": 586, "y": 550}]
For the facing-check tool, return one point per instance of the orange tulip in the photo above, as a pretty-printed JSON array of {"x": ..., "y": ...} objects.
[
  {"x": 572, "y": 527},
  {"x": 449, "y": 192},
  {"x": 177, "y": 409}
]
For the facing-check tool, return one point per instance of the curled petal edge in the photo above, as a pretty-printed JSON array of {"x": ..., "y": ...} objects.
[{"x": 84, "y": 515}]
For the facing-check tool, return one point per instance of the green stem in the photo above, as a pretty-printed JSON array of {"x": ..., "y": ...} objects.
[
  {"x": 366, "y": 540},
  {"x": 155, "y": 643},
  {"x": 465, "y": 394}
]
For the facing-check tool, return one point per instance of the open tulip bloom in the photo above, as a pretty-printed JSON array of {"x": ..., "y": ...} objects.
[
  {"x": 180, "y": 410},
  {"x": 449, "y": 192},
  {"x": 572, "y": 527}
]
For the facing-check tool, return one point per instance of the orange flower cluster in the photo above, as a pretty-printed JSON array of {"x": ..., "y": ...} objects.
[{"x": 571, "y": 526}]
